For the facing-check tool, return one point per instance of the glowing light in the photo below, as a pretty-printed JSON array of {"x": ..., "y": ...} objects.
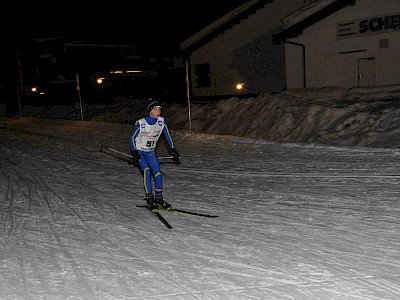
[{"x": 239, "y": 86}]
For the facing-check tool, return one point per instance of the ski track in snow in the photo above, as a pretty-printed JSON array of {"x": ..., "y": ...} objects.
[{"x": 295, "y": 221}]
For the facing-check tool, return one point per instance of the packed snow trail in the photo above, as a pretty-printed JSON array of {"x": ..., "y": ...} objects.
[{"x": 294, "y": 221}]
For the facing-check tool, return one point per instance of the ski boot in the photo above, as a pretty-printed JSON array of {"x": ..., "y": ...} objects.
[
  {"x": 150, "y": 201},
  {"x": 161, "y": 203}
]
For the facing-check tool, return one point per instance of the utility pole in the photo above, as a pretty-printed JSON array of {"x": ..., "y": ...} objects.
[
  {"x": 20, "y": 87},
  {"x": 188, "y": 94},
  {"x": 78, "y": 88}
]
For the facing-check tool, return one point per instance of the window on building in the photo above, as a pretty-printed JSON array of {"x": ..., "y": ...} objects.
[{"x": 202, "y": 73}]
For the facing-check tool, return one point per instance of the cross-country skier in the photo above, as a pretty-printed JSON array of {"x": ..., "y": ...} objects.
[{"x": 143, "y": 140}]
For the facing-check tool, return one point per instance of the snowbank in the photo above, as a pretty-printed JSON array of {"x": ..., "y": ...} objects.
[
  {"x": 360, "y": 116},
  {"x": 331, "y": 115}
]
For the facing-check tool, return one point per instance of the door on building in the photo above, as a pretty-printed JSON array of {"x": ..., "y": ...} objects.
[{"x": 366, "y": 71}]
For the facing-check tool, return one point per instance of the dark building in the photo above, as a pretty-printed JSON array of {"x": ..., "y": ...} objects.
[{"x": 57, "y": 71}]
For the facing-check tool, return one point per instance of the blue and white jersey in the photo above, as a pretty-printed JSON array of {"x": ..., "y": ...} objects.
[{"x": 146, "y": 133}]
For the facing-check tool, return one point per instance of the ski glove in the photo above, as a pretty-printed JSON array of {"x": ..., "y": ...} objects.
[
  {"x": 135, "y": 158},
  {"x": 175, "y": 156}
]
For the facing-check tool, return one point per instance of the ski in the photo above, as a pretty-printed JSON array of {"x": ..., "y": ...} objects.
[
  {"x": 182, "y": 212},
  {"x": 159, "y": 216},
  {"x": 185, "y": 212}
]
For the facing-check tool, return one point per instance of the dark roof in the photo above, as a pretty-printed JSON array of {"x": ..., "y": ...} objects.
[
  {"x": 310, "y": 19},
  {"x": 220, "y": 26},
  {"x": 305, "y": 17}
]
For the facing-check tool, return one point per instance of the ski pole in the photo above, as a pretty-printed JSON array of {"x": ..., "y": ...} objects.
[
  {"x": 122, "y": 153},
  {"x": 111, "y": 149}
]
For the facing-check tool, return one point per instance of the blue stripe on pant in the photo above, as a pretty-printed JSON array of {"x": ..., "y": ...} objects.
[{"x": 150, "y": 167}]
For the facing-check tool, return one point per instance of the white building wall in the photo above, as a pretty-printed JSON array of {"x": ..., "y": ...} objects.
[
  {"x": 333, "y": 62},
  {"x": 242, "y": 53}
]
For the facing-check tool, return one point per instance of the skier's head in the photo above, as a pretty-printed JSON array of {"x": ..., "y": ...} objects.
[{"x": 154, "y": 109}]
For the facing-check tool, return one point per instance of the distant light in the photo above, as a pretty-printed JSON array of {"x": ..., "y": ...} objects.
[
  {"x": 239, "y": 86},
  {"x": 35, "y": 90},
  {"x": 122, "y": 72},
  {"x": 100, "y": 81}
]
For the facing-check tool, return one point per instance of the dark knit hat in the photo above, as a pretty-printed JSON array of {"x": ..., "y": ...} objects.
[{"x": 153, "y": 104}]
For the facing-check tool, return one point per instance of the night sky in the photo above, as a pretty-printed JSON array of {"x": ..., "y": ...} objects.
[
  {"x": 152, "y": 27},
  {"x": 156, "y": 25}
]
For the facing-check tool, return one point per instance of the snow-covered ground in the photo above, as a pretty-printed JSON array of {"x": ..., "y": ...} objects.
[
  {"x": 358, "y": 116},
  {"x": 295, "y": 221}
]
